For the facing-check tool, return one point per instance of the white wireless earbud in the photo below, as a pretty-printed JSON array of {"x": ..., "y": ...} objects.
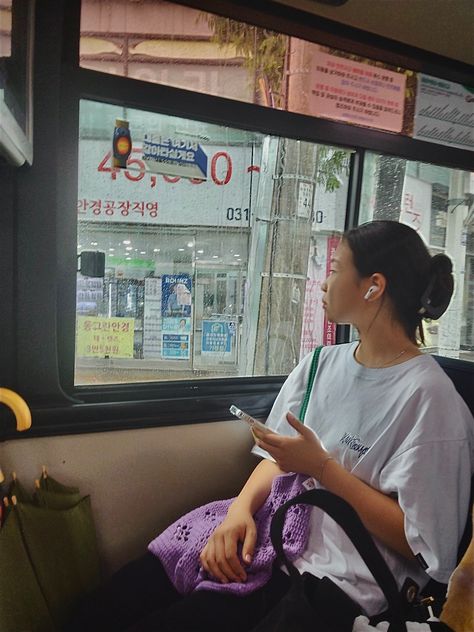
[{"x": 370, "y": 291}]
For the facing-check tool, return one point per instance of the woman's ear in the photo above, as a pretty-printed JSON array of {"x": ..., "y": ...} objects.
[{"x": 377, "y": 285}]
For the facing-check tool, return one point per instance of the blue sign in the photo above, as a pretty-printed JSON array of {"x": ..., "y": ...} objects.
[
  {"x": 175, "y": 346},
  {"x": 217, "y": 336},
  {"x": 176, "y": 295},
  {"x": 176, "y": 325},
  {"x": 175, "y": 156}
]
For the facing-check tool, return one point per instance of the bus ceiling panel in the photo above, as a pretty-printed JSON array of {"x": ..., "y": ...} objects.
[
  {"x": 97, "y": 86},
  {"x": 308, "y": 26}
]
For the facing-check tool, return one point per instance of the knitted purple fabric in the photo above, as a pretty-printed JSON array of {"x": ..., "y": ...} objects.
[{"x": 180, "y": 545}]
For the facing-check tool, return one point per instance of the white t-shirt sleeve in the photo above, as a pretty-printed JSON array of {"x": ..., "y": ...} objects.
[{"x": 432, "y": 484}]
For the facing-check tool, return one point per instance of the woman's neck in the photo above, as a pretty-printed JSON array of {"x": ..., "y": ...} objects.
[{"x": 385, "y": 346}]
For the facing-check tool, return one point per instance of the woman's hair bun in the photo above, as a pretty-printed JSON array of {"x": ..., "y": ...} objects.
[
  {"x": 441, "y": 265},
  {"x": 440, "y": 288}
]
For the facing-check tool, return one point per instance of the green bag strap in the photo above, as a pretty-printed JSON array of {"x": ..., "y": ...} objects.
[{"x": 309, "y": 387}]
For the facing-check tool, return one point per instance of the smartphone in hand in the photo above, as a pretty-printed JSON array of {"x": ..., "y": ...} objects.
[{"x": 252, "y": 422}]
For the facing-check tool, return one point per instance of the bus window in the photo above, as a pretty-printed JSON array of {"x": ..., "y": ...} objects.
[
  {"x": 216, "y": 242},
  {"x": 437, "y": 202}
]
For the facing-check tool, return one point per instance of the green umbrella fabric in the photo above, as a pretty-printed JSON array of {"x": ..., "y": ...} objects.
[
  {"x": 22, "y": 603},
  {"x": 16, "y": 489},
  {"x": 48, "y": 544},
  {"x": 54, "y": 495},
  {"x": 48, "y": 483},
  {"x": 63, "y": 551}
]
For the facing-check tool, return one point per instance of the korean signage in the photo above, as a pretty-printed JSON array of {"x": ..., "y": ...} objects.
[
  {"x": 444, "y": 113},
  {"x": 305, "y": 199},
  {"x": 138, "y": 195},
  {"x": 176, "y": 325},
  {"x": 416, "y": 205},
  {"x": 175, "y": 346},
  {"x": 218, "y": 337},
  {"x": 176, "y": 338},
  {"x": 174, "y": 156},
  {"x": 330, "y": 326},
  {"x": 316, "y": 328},
  {"x": 355, "y": 92},
  {"x": 152, "y": 318},
  {"x": 104, "y": 337}
]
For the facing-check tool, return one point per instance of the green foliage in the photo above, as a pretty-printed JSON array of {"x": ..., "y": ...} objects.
[
  {"x": 332, "y": 164},
  {"x": 264, "y": 52}
]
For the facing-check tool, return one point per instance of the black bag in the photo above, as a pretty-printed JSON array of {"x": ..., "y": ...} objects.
[{"x": 318, "y": 605}]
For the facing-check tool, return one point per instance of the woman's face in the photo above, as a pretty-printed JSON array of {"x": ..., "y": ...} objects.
[{"x": 343, "y": 289}]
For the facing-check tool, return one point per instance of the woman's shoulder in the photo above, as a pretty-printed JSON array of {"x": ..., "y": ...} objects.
[
  {"x": 327, "y": 355},
  {"x": 429, "y": 376},
  {"x": 437, "y": 402},
  {"x": 338, "y": 353}
]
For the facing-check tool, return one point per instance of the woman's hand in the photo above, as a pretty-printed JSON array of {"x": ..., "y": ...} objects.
[
  {"x": 458, "y": 612},
  {"x": 302, "y": 454},
  {"x": 219, "y": 557}
]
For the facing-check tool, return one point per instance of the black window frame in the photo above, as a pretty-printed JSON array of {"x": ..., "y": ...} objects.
[{"x": 39, "y": 361}]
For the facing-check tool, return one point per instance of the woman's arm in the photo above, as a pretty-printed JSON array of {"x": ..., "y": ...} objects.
[
  {"x": 219, "y": 557},
  {"x": 381, "y": 514},
  {"x": 257, "y": 487}
]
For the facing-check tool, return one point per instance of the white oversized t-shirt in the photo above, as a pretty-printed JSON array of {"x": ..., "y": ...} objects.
[{"x": 405, "y": 431}]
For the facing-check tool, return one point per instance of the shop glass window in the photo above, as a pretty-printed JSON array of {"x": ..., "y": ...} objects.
[
  {"x": 202, "y": 255},
  {"x": 438, "y": 203}
]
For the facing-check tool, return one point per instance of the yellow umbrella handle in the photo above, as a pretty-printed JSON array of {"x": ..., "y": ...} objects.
[{"x": 18, "y": 406}]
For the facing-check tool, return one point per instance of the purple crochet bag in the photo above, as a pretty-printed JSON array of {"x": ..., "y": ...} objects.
[{"x": 180, "y": 545}]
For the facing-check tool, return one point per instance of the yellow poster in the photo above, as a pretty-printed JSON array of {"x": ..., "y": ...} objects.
[{"x": 104, "y": 337}]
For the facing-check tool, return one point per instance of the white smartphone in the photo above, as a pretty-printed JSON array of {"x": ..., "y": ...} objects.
[{"x": 249, "y": 419}]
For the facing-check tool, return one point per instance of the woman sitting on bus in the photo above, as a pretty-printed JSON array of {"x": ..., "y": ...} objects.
[{"x": 384, "y": 429}]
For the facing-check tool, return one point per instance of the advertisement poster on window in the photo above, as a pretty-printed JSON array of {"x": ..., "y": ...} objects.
[
  {"x": 174, "y": 156},
  {"x": 104, "y": 337},
  {"x": 176, "y": 295},
  {"x": 176, "y": 325},
  {"x": 355, "y": 92},
  {"x": 330, "y": 327},
  {"x": 316, "y": 329},
  {"x": 416, "y": 205},
  {"x": 444, "y": 112},
  {"x": 175, "y": 346},
  {"x": 218, "y": 337}
]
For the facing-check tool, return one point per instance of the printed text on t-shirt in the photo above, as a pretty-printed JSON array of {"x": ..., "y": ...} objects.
[{"x": 353, "y": 443}]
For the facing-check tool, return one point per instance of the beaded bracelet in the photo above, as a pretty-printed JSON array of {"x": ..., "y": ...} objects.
[{"x": 323, "y": 466}]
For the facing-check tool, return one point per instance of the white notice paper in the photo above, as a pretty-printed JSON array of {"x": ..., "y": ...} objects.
[{"x": 444, "y": 113}]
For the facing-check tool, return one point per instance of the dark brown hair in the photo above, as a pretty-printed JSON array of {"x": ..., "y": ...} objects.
[{"x": 418, "y": 285}]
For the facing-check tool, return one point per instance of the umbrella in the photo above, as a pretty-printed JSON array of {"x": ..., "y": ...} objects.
[
  {"x": 59, "y": 534},
  {"x": 50, "y": 493},
  {"x": 56, "y": 530},
  {"x": 22, "y": 604},
  {"x": 48, "y": 548}
]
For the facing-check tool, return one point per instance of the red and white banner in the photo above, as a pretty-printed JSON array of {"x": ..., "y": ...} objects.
[{"x": 316, "y": 328}]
